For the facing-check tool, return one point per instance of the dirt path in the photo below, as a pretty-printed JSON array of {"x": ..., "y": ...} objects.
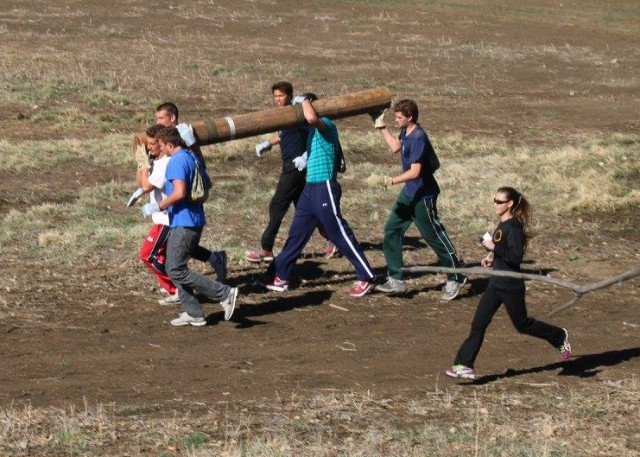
[{"x": 75, "y": 332}]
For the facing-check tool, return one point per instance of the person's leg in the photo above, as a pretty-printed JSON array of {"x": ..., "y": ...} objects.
[
  {"x": 303, "y": 224},
  {"x": 514, "y": 301},
  {"x": 216, "y": 259},
  {"x": 288, "y": 191},
  {"x": 153, "y": 255},
  {"x": 434, "y": 233},
  {"x": 182, "y": 242},
  {"x": 201, "y": 254},
  {"x": 487, "y": 307},
  {"x": 326, "y": 197},
  {"x": 397, "y": 224}
]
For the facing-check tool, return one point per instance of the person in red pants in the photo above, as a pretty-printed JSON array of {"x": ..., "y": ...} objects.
[{"x": 150, "y": 178}]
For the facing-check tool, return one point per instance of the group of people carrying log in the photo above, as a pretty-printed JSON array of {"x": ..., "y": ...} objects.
[{"x": 311, "y": 160}]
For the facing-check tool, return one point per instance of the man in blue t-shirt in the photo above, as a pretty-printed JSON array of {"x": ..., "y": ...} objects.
[
  {"x": 416, "y": 202},
  {"x": 293, "y": 149},
  {"x": 320, "y": 203},
  {"x": 186, "y": 220}
]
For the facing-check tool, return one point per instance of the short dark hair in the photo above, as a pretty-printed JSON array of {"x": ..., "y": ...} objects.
[
  {"x": 170, "y": 135},
  {"x": 408, "y": 108},
  {"x": 170, "y": 108},
  {"x": 283, "y": 86},
  {"x": 153, "y": 130}
]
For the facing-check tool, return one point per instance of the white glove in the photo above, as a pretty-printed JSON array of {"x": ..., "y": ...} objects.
[
  {"x": 186, "y": 133},
  {"x": 142, "y": 157},
  {"x": 301, "y": 161},
  {"x": 262, "y": 147},
  {"x": 135, "y": 196},
  {"x": 149, "y": 208},
  {"x": 376, "y": 180},
  {"x": 378, "y": 119},
  {"x": 298, "y": 99}
]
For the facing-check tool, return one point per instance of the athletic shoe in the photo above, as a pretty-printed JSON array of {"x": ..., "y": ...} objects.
[
  {"x": 218, "y": 261},
  {"x": 330, "y": 250},
  {"x": 452, "y": 289},
  {"x": 185, "y": 319},
  {"x": 565, "y": 348},
  {"x": 170, "y": 300},
  {"x": 259, "y": 255},
  {"x": 392, "y": 286},
  {"x": 279, "y": 285},
  {"x": 460, "y": 371},
  {"x": 360, "y": 288},
  {"x": 229, "y": 303}
]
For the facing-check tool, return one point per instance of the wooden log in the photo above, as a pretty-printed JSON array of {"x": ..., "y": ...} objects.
[{"x": 228, "y": 128}]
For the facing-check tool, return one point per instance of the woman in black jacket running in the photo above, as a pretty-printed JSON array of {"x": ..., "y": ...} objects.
[{"x": 507, "y": 247}]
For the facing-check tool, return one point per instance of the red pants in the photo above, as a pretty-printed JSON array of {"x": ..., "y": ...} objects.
[{"x": 153, "y": 253}]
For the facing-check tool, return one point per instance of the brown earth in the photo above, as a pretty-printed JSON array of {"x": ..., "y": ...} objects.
[{"x": 90, "y": 331}]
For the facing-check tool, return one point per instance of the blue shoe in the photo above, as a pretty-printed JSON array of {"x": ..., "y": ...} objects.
[{"x": 218, "y": 261}]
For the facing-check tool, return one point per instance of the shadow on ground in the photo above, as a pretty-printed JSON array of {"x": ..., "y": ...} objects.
[{"x": 584, "y": 366}]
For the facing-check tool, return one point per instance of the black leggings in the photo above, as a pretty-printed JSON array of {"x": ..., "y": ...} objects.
[{"x": 515, "y": 304}]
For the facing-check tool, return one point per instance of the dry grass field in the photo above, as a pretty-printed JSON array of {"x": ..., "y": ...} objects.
[{"x": 542, "y": 95}]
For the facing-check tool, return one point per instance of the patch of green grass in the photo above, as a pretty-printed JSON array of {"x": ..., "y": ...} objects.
[
  {"x": 72, "y": 441},
  {"x": 364, "y": 82},
  {"x": 297, "y": 70},
  {"x": 220, "y": 70},
  {"x": 517, "y": 447},
  {"x": 551, "y": 114},
  {"x": 102, "y": 99},
  {"x": 195, "y": 440},
  {"x": 590, "y": 411},
  {"x": 243, "y": 68},
  {"x": 617, "y": 140},
  {"x": 549, "y": 402},
  {"x": 29, "y": 156},
  {"x": 64, "y": 362}
]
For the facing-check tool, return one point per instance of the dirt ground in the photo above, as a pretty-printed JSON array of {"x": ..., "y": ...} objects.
[{"x": 93, "y": 335}]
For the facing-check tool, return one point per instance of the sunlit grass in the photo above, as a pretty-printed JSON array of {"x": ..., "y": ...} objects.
[{"x": 477, "y": 422}]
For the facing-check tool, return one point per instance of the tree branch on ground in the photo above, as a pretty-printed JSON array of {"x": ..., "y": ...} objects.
[{"x": 578, "y": 289}]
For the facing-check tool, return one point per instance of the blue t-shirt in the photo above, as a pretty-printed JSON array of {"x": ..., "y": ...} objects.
[
  {"x": 182, "y": 166},
  {"x": 416, "y": 148},
  {"x": 322, "y": 146},
  {"x": 293, "y": 142}
]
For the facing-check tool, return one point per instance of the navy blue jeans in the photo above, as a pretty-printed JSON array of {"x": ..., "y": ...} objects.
[{"x": 320, "y": 204}]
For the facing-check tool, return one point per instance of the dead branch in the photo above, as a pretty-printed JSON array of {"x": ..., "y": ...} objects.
[{"x": 578, "y": 289}]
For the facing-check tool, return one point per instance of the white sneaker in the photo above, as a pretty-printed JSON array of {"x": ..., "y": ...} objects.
[
  {"x": 229, "y": 303},
  {"x": 392, "y": 286},
  {"x": 185, "y": 319},
  {"x": 170, "y": 300},
  {"x": 460, "y": 371},
  {"x": 452, "y": 289}
]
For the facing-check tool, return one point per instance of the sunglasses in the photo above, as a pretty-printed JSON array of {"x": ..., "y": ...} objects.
[{"x": 500, "y": 202}]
